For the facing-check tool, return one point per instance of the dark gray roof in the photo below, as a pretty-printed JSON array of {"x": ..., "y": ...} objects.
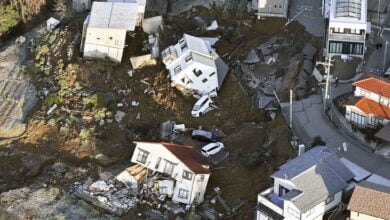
[
  {"x": 318, "y": 174},
  {"x": 291, "y": 194},
  {"x": 269, "y": 212},
  {"x": 384, "y": 133}
]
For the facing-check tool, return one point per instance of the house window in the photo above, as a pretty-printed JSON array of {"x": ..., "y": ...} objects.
[
  {"x": 178, "y": 69},
  {"x": 381, "y": 100},
  {"x": 212, "y": 74},
  {"x": 357, "y": 118},
  {"x": 187, "y": 175},
  {"x": 204, "y": 80},
  {"x": 98, "y": 38},
  {"x": 183, "y": 194},
  {"x": 142, "y": 156},
  {"x": 201, "y": 178},
  {"x": 188, "y": 58},
  {"x": 329, "y": 200},
  {"x": 168, "y": 169},
  {"x": 183, "y": 46},
  {"x": 293, "y": 212},
  {"x": 158, "y": 163},
  {"x": 163, "y": 190},
  {"x": 373, "y": 121},
  {"x": 110, "y": 38},
  {"x": 197, "y": 73}
]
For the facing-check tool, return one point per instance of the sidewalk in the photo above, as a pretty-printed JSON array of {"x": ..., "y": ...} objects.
[{"x": 310, "y": 121}]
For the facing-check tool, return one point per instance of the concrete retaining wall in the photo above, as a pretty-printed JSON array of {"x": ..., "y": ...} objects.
[{"x": 339, "y": 121}]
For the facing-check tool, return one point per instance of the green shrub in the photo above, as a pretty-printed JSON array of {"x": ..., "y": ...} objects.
[
  {"x": 9, "y": 18},
  {"x": 52, "y": 99}
]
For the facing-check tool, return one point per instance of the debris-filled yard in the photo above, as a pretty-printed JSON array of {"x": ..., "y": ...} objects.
[{"x": 89, "y": 112}]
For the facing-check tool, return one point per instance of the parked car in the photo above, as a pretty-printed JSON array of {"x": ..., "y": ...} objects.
[
  {"x": 202, "y": 106},
  {"x": 203, "y": 135},
  {"x": 212, "y": 148}
]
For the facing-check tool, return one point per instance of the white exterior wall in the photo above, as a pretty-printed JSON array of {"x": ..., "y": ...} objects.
[
  {"x": 157, "y": 151},
  {"x": 361, "y": 216},
  {"x": 373, "y": 96},
  {"x": 101, "y": 43},
  {"x": 315, "y": 213},
  {"x": 271, "y": 8}
]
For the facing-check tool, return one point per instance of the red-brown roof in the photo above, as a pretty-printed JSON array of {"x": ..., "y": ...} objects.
[
  {"x": 371, "y": 107},
  {"x": 371, "y": 199},
  {"x": 374, "y": 85},
  {"x": 189, "y": 156}
]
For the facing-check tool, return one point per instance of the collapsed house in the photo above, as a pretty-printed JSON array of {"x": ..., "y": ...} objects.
[
  {"x": 347, "y": 27},
  {"x": 185, "y": 169},
  {"x": 194, "y": 67},
  {"x": 105, "y": 29},
  {"x": 272, "y": 8},
  {"x": 373, "y": 106},
  {"x": 305, "y": 187}
]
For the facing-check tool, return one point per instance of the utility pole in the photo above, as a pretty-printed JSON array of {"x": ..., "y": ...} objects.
[
  {"x": 326, "y": 96},
  {"x": 385, "y": 57},
  {"x": 379, "y": 14},
  {"x": 291, "y": 110}
]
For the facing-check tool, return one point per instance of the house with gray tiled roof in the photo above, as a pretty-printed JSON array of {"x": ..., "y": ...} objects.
[{"x": 305, "y": 187}]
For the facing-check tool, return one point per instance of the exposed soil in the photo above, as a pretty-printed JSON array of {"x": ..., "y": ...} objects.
[{"x": 257, "y": 144}]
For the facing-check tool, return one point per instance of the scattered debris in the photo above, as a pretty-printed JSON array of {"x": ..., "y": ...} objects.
[
  {"x": 213, "y": 26},
  {"x": 52, "y": 23},
  {"x": 142, "y": 61},
  {"x": 152, "y": 25}
]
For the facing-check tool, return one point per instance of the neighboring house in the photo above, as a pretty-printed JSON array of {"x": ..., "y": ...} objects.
[
  {"x": 373, "y": 108},
  {"x": 370, "y": 201},
  {"x": 305, "y": 187},
  {"x": 105, "y": 29},
  {"x": 181, "y": 163},
  {"x": 272, "y": 8},
  {"x": 194, "y": 67},
  {"x": 347, "y": 27}
]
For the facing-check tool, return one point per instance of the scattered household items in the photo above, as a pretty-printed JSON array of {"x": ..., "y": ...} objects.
[
  {"x": 142, "y": 61},
  {"x": 152, "y": 25},
  {"x": 311, "y": 183},
  {"x": 52, "y": 23},
  {"x": 202, "y": 106},
  {"x": 347, "y": 28},
  {"x": 194, "y": 67},
  {"x": 213, "y": 26},
  {"x": 369, "y": 201},
  {"x": 212, "y": 148},
  {"x": 203, "y": 135},
  {"x": 105, "y": 29},
  {"x": 372, "y": 108},
  {"x": 183, "y": 164},
  {"x": 271, "y": 8},
  {"x": 171, "y": 131},
  {"x": 81, "y": 5}
]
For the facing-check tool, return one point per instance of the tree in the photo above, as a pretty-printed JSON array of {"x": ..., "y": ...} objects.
[{"x": 9, "y": 18}]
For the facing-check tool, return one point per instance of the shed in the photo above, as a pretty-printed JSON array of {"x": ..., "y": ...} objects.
[{"x": 51, "y": 23}]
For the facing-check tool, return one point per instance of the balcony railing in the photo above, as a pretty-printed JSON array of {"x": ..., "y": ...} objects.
[
  {"x": 346, "y": 37},
  {"x": 265, "y": 199}
]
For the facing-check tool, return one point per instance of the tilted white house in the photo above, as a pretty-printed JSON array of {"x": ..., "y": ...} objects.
[
  {"x": 373, "y": 107},
  {"x": 194, "y": 67},
  {"x": 181, "y": 163},
  {"x": 305, "y": 187},
  {"x": 105, "y": 29},
  {"x": 347, "y": 27},
  {"x": 272, "y": 8}
]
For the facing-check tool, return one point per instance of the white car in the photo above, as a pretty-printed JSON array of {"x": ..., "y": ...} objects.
[
  {"x": 212, "y": 148},
  {"x": 202, "y": 106}
]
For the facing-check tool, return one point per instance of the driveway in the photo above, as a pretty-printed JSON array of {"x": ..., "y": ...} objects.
[
  {"x": 310, "y": 121},
  {"x": 311, "y": 18}
]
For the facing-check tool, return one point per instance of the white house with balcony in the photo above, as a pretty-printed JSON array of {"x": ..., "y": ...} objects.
[
  {"x": 272, "y": 8},
  {"x": 105, "y": 29},
  {"x": 194, "y": 66},
  {"x": 373, "y": 106},
  {"x": 347, "y": 27},
  {"x": 305, "y": 187},
  {"x": 183, "y": 164}
]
